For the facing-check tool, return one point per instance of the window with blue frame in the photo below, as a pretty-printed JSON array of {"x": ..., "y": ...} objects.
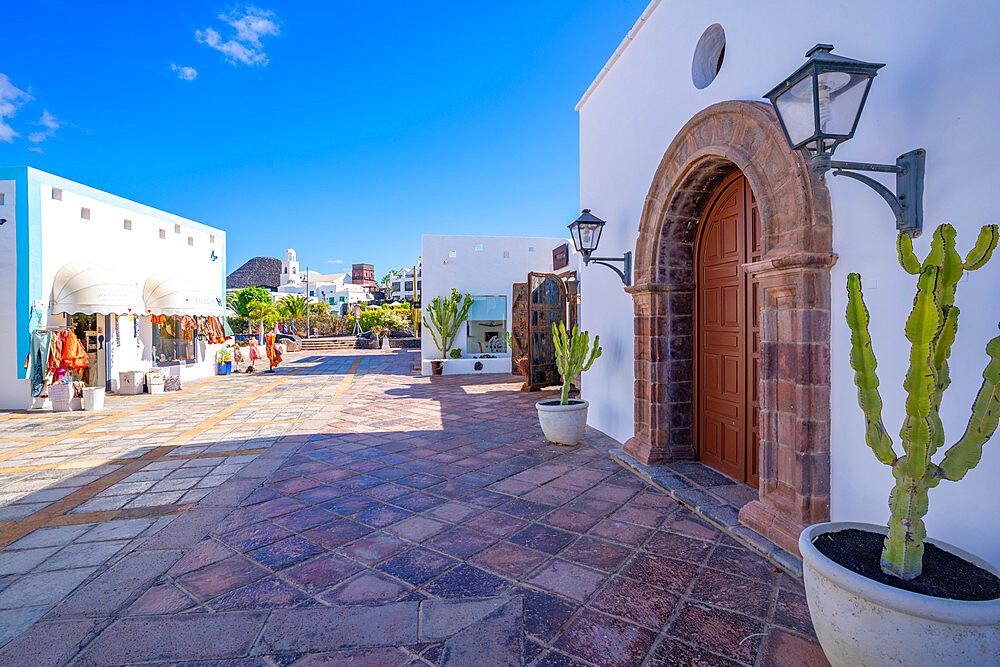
[{"x": 486, "y": 327}]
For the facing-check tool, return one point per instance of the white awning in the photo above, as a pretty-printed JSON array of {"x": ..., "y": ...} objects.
[
  {"x": 90, "y": 289},
  {"x": 167, "y": 295}
]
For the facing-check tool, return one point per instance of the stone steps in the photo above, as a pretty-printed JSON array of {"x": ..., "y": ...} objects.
[{"x": 338, "y": 343}]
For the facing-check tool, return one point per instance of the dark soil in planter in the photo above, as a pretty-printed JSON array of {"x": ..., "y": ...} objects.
[
  {"x": 944, "y": 575},
  {"x": 571, "y": 401}
]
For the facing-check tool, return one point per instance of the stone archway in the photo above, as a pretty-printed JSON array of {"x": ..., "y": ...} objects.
[{"x": 794, "y": 278}]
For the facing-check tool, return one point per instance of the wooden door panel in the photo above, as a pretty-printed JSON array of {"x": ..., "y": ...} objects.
[
  {"x": 753, "y": 324},
  {"x": 546, "y": 306},
  {"x": 727, "y": 337},
  {"x": 518, "y": 325}
]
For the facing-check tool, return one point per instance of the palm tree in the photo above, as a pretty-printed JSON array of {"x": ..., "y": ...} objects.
[
  {"x": 292, "y": 306},
  {"x": 386, "y": 285},
  {"x": 262, "y": 312}
]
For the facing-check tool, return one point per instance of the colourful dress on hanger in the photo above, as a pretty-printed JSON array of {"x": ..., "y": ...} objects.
[{"x": 273, "y": 354}]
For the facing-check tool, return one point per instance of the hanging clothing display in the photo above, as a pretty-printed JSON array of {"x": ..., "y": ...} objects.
[
  {"x": 211, "y": 330},
  {"x": 51, "y": 355},
  {"x": 39, "y": 350},
  {"x": 273, "y": 354},
  {"x": 74, "y": 355}
]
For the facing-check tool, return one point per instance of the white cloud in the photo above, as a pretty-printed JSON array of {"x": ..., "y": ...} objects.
[
  {"x": 250, "y": 23},
  {"x": 334, "y": 261},
  {"x": 50, "y": 124},
  {"x": 11, "y": 99},
  {"x": 36, "y": 149},
  {"x": 185, "y": 73}
]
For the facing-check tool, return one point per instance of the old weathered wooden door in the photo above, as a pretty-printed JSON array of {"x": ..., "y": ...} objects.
[
  {"x": 518, "y": 325},
  {"x": 546, "y": 305},
  {"x": 726, "y": 388}
]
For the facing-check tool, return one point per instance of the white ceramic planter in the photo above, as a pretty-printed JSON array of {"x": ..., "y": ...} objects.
[
  {"x": 862, "y": 622},
  {"x": 563, "y": 424}
]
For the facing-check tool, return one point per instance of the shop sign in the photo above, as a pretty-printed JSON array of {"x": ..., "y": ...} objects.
[{"x": 560, "y": 257}]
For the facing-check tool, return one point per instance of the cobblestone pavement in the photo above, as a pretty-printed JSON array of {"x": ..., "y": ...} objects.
[{"x": 347, "y": 512}]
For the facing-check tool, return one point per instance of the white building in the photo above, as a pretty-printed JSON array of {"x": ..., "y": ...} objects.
[
  {"x": 406, "y": 283},
  {"x": 290, "y": 269},
  {"x": 485, "y": 267},
  {"x": 664, "y": 126},
  {"x": 334, "y": 289},
  {"x": 74, "y": 256}
]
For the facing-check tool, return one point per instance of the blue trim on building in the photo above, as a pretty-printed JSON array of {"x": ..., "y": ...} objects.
[{"x": 22, "y": 231}]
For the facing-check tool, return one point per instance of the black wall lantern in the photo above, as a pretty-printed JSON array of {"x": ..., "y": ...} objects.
[
  {"x": 819, "y": 106},
  {"x": 586, "y": 232}
]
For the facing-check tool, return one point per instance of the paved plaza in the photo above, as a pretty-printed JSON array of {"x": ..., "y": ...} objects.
[{"x": 346, "y": 511}]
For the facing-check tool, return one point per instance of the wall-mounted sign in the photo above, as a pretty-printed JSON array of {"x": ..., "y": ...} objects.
[{"x": 560, "y": 257}]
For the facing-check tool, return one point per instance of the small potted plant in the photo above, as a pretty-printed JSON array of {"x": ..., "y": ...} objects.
[
  {"x": 224, "y": 361},
  {"x": 443, "y": 319},
  {"x": 888, "y": 595},
  {"x": 564, "y": 421}
]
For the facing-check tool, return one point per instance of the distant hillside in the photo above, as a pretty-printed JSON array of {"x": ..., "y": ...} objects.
[{"x": 257, "y": 272}]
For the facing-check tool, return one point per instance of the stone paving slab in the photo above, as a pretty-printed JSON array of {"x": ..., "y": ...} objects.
[
  {"x": 407, "y": 495},
  {"x": 713, "y": 497}
]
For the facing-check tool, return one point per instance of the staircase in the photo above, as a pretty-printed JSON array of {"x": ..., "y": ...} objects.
[{"x": 334, "y": 343}]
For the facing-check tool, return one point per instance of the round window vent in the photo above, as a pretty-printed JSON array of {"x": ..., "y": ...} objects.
[{"x": 708, "y": 56}]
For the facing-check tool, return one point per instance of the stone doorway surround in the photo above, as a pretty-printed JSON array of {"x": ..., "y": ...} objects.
[{"x": 794, "y": 276}]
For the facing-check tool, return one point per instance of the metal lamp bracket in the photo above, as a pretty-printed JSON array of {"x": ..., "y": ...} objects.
[
  {"x": 907, "y": 203},
  {"x": 625, "y": 273}
]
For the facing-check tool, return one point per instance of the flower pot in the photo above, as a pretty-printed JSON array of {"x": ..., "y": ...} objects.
[
  {"x": 225, "y": 367},
  {"x": 437, "y": 366},
  {"x": 860, "y": 621},
  {"x": 563, "y": 424}
]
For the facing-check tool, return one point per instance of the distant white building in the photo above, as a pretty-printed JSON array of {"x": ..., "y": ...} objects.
[
  {"x": 406, "y": 284},
  {"x": 334, "y": 289},
  {"x": 486, "y": 268},
  {"x": 290, "y": 269}
]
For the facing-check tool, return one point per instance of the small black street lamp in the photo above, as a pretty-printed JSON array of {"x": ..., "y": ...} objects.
[
  {"x": 586, "y": 233},
  {"x": 819, "y": 106}
]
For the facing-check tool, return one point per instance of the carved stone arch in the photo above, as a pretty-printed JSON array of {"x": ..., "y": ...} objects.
[{"x": 794, "y": 278}]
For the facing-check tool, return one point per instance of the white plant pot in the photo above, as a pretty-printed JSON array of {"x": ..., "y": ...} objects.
[
  {"x": 862, "y": 622},
  {"x": 563, "y": 424}
]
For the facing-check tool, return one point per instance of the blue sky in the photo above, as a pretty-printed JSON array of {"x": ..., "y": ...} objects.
[{"x": 342, "y": 129}]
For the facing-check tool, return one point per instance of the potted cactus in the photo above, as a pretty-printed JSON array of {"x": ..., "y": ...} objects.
[
  {"x": 888, "y": 595},
  {"x": 563, "y": 421},
  {"x": 443, "y": 318}
]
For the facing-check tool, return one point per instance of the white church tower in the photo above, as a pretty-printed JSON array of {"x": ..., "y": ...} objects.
[{"x": 290, "y": 269}]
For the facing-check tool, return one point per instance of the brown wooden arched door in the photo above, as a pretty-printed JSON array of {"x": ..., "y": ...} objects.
[{"x": 727, "y": 338}]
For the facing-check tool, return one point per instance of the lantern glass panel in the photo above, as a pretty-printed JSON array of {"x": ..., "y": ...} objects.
[
  {"x": 798, "y": 111},
  {"x": 840, "y": 98},
  {"x": 589, "y": 235}
]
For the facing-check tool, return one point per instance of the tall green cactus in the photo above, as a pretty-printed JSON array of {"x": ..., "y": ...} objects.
[
  {"x": 931, "y": 329},
  {"x": 572, "y": 351},
  {"x": 445, "y": 316}
]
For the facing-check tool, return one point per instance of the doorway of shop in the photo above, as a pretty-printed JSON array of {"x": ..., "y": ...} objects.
[
  {"x": 90, "y": 329},
  {"x": 727, "y": 351}
]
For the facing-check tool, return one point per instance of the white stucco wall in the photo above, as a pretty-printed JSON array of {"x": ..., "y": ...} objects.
[
  {"x": 937, "y": 92},
  {"x": 481, "y": 273},
  {"x": 64, "y": 236}
]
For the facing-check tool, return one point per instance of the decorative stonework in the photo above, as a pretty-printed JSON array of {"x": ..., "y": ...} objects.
[{"x": 796, "y": 244}]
